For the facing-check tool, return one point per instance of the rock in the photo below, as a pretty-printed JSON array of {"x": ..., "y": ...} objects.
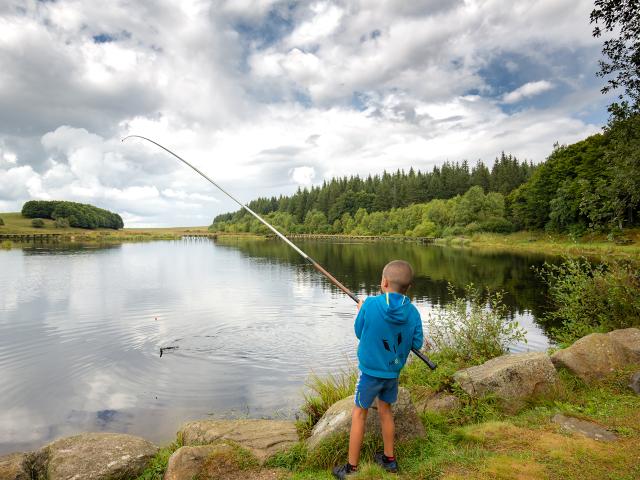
[
  {"x": 512, "y": 378},
  {"x": 440, "y": 402},
  {"x": 629, "y": 340},
  {"x": 188, "y": 462},
  {"x": 263, "y": 438},
  {"x": 635, "y": 382},
  {"x": 95, "y": 456},
  {"x": 337, "y": 419},
  {"x": 583, "y": 427},
  {"x": 597, "y": 355},
  {"x": 13, "y": 467}
]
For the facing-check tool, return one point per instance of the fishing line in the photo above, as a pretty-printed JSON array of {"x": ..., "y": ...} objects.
[{"x": 315, "y": 264}]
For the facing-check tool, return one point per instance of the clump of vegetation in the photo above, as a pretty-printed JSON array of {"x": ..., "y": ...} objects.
[
  {"x": 591, "y": 298},
  {"x": 79, "y": 215},
  {"x": 37, "y": 223},
  {"x": 158, "y": 464},
  {"x": 1, "y": 222},
  {"x": 62, "y": 222},
  {"x": 6, "y": 245},
  {"x": 324, "y": 392},
  {"x": 473, "y": 328}
]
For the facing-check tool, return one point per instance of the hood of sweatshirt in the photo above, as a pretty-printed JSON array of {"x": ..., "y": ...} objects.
[{"x": 394, "y": 307}]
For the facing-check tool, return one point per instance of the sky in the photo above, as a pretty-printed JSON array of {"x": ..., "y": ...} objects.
[{"x": 267, "y": 96}]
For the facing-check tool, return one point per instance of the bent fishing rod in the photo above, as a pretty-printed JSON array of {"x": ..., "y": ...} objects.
[{"x": 315, "y": 264}]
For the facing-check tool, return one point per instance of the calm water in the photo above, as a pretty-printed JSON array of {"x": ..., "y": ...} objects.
[{"x": 81, "y": 328}]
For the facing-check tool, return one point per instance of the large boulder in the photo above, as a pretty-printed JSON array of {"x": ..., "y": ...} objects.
[
  {"x": 634, "y": 383},
  {"x": 14, "y": 467},
  {"x": 337, "y": 419},
  {"x": 511, "y": 378},
  {"x": 94, "y": 456},
  {"x": 597, "y": 355},
  {"x": 263, "y": 438}
]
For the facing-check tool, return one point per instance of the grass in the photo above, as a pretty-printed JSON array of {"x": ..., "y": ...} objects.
[{"x": 596, "y": 245}]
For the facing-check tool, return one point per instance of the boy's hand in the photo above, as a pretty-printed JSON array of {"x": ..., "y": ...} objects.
[{"x": 360, "y": 302}]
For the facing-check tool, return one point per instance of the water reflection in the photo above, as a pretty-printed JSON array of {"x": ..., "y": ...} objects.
[{"x": 81, "y": 327}]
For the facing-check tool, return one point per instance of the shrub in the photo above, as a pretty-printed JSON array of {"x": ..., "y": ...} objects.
[
  {"x": 324, "y": 392},
  {"x": 1, "y": 221},
  {"x": 591, "y": 298},
  {"x": 62, "y": 222},
  {"x": 37, "y": 223},
  {"x": 473, "y": 328}
]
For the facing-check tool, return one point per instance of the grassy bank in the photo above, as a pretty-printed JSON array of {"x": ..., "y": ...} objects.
[
  {"x": 15, "y": 223},
  {"x": 590, "y": 245}
]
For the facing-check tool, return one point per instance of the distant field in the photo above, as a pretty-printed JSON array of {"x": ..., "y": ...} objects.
[{"x": 14, "y": 222}]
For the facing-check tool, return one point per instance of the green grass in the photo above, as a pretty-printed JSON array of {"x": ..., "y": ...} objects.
[{"x": 158, "y": 464}]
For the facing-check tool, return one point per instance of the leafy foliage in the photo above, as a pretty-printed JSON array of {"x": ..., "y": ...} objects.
[
  {"x": 473, "y": 328},
  {"x": 591, "y": 298},
  {"x": 622, "y": 52},
  {"x": 1, "y": 221},
  {"x": 37, "y": 223},
  {"x": 77, "y": 214}
]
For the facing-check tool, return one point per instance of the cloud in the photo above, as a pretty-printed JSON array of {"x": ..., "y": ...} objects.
[
  {"x": 303, "y": 175},
  {"x": 527, "y": 90},
  {"x": 268, "y": 95}
]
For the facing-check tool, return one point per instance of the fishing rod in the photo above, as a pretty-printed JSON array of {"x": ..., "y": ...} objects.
[{"x": 315, "y": 264}]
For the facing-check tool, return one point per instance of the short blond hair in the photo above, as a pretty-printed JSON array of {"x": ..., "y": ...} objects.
[{"x": 399, "y": 274}]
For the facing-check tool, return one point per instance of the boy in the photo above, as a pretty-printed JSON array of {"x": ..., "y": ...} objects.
[{"x": 388, "y": 326}]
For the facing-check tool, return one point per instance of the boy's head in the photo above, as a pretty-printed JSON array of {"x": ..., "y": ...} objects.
[{"x": 397, "y": 276}]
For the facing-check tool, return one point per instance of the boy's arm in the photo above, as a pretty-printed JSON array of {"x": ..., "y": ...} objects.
[
  {"x": 418, "y": 336},
  {"x": 359, "y": 323}
]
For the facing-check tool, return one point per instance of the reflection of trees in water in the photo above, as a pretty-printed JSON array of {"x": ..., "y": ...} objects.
[{"x": 359, "y": 265}]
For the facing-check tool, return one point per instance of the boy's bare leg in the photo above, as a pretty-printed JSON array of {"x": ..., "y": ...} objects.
[
  {"x": 358, "y": 419},
  {"x": 388, "y": 426}
]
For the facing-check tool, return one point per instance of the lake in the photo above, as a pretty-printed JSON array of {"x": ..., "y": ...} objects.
[{"x": 81, "y": 327}]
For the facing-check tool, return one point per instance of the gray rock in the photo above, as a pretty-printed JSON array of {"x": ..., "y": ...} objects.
[
  {"x": 337, "y": 419},
  {"x": 188, "y": 462},
  {"x": 512, "y": 378},
  {"x": 439, "y": 402},
  {"x": 583, "y": 427},
  {"x": 629, "y": 340},
  {"x": 635, "y": 382},
  {"x": 95, "y": 456},
  {"x": 13, "y": 467},
  {"x": 597, "y": 355},
  {"x": 263, "y": 438}
]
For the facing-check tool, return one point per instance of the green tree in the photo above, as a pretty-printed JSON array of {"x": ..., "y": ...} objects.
[{"x": 623, "y": 51}]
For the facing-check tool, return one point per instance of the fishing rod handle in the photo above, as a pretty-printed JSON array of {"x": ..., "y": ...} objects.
[{"x": 424, "y": 358}]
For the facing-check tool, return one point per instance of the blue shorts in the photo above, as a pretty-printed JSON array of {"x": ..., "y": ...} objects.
[{"x": 368, "y": 388}]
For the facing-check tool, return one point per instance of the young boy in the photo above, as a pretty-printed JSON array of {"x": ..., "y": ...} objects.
[{"x": 388, "y": 326}]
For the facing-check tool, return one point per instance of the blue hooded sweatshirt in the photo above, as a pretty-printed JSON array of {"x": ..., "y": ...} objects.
[{"x": 388, "y": 326}]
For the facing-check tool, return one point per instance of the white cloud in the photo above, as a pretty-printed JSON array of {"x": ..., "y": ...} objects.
[
  {"x": 303, "y": 175},
  {"x": 527, "y": 90}
]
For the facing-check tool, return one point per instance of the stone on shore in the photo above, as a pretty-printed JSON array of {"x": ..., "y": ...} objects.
[
  {"x": 95, "y": 456},
  {"x": 597, "y": 355},
  {"x": 12, "y": 467},
  {"x": 337, "y": 419},
  {"x": 511, "y": 378},
  {"x": 189, "y": 462},
  {"x": 263, "y": 438},
  {"x": 583, "y": 427},
  {"x": 438, "y": 402}
]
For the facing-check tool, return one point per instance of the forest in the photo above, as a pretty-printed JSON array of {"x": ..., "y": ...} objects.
[
  {"x": 592, "y": 185},
  {"x": 72, "y": 214}
]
